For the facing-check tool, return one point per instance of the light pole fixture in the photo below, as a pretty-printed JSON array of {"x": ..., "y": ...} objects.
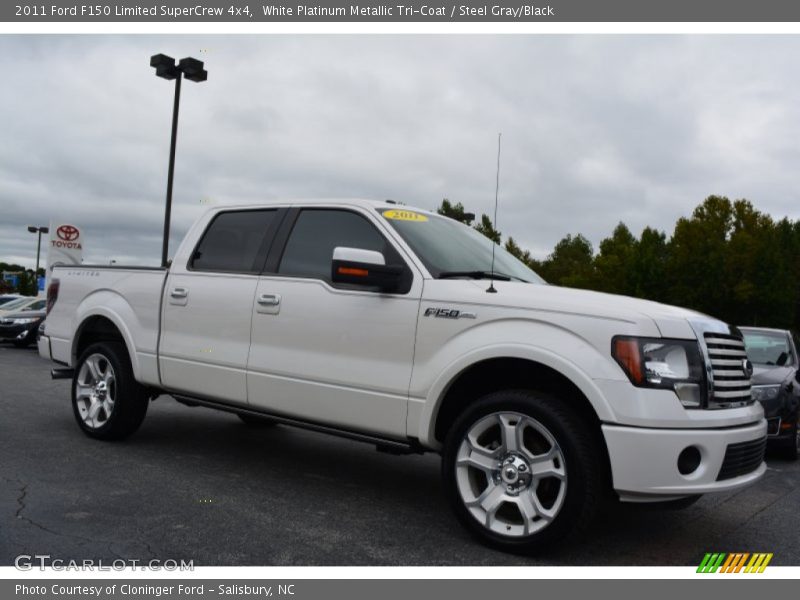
[
  {"x": 40, "y": 231},
  {"x": 193, "y": 70}
]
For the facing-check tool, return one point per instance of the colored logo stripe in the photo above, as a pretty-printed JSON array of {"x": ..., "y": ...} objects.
[
  {"x": 734, "y": 562},
  {"x": 758, "y": 563}
]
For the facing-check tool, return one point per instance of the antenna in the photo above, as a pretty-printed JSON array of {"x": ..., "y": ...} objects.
[{"x": 491, "y": 289}]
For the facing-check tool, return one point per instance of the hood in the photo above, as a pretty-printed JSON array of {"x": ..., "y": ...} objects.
[
  {"x": 766, "y": 374},
  {"x": 671, "y": 321},
  {"x": 30, "y": 314}
]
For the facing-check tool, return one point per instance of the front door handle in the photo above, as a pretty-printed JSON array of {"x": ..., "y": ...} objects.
[
  {"x": 269, "y": 299},
  {"x": 179, "y": 292}
]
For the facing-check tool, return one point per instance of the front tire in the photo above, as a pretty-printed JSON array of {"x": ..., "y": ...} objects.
[
  {"x": 107, "y": 401},
  {"x": 522, "y": 471}
]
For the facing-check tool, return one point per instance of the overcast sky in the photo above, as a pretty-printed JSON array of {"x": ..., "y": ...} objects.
[{"x": 596, "y": 129}]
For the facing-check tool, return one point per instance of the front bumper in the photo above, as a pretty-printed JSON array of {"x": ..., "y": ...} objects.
[
  {"x": 644, "y": 461},
  {"x": 12, "y": 332}
]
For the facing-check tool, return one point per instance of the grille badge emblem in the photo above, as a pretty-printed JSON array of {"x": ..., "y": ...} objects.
[{"x": 747, "y": 367}]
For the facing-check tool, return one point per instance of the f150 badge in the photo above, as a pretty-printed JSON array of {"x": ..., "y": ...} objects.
[{"x": 449, "y": 313}]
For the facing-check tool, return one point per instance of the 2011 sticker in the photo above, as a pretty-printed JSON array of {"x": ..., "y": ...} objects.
[{"x": 404, "y": 215}]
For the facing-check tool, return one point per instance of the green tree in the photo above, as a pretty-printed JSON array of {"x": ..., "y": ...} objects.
[
  {"x": 27, "y": 283},
  {"x": 614, "y": 264},
  {"x": 697, "y": 258},
  {"x": 650, "y": 265},
  {"x": 570, "y": 263},
  {"x": 455, "y": 211},
  {"x": 486, "y": 227},
  {"x": 513, "y": 248}
]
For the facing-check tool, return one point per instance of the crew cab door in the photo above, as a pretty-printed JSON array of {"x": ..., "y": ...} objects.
[
  {"x": 334, "y": 354},
  {"x": 208, "y": 305}
]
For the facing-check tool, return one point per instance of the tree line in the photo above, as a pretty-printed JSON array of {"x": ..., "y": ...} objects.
[{"x": 727, "y": 259}]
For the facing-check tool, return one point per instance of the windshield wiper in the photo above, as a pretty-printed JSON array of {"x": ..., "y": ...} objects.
[{"x": 477, "y": 275}]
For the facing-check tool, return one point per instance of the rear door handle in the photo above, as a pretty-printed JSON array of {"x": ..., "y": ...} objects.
[{"x": 269, "y": 299}]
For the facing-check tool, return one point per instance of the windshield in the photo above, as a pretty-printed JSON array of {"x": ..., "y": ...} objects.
[
  {"x": 15, "y": 304},
  {"x": 451, "y": 249},
  {"x": 768, "y": 348}
]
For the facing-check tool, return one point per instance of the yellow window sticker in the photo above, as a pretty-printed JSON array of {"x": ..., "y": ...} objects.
[{"x": 404, "y": 215}]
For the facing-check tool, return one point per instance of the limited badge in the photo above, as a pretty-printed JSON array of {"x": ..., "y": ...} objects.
[{"x": 404, "y": 215}]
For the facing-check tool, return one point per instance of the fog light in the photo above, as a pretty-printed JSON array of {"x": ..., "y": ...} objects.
[
  {"x": 22, "y": 335},
  {"x": 688, "y": 460}
]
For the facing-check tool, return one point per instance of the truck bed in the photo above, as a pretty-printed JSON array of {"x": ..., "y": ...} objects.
[{"x": 128, "y": 296}]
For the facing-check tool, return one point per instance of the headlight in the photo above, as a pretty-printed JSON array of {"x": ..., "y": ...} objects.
[
  {"x": 663, "y": 364},
  {"x": 24, "y": 321},
  {"x": 766, "y": 392}
]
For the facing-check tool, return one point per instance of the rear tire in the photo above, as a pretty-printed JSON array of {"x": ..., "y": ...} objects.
[
  {"x": 107, "y": 401},
  {"x": 521, "y": 471}
]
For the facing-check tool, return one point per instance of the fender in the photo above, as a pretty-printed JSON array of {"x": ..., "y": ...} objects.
[
  {"x": 424, "y": 426},
  {"x": 114, "y": 307}
]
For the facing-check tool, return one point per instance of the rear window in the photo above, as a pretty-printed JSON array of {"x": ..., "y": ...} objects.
[{"x": 235, "y": 242}]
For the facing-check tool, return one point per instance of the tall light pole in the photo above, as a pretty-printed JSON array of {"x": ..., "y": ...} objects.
[
  {"x": 40, "y": 231},
  {"x": 193, "y": 70}
]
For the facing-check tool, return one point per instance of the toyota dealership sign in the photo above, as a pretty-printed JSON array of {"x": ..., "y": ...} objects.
[{"x": 66, "y": 245}]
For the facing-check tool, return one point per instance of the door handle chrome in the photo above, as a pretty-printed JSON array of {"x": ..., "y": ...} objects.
[
  {"x": 269, "y": 300},
  {"x": 179, "y": 292}
]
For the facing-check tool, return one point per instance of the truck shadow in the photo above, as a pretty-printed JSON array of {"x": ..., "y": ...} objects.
[{"x": 398, "y": 499}]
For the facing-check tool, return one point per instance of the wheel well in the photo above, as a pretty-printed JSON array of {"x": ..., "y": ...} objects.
[
  {"x": 96, "y": 329},
  {"x": 512, "y": 373}
]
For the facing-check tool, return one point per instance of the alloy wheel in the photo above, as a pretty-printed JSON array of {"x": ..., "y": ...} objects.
[
  {"x": 511, "y": 474},
  {"x": 95, "y": 391}
]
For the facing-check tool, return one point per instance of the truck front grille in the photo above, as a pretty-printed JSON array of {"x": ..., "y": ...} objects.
[
  {"x": 742, "y": 458},
  {"x": 730, "y": 381}
]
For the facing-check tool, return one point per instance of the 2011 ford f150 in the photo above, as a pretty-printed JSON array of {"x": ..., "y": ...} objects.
[{"x": 400, "y": 327}]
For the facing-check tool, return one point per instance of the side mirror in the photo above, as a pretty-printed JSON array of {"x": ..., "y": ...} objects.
[{"x": 355, "y": 266}]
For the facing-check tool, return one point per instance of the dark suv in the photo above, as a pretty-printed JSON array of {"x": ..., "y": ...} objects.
[{"x": 776, "y": 384}]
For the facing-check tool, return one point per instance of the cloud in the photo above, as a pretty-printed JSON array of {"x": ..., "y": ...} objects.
[{"x": 596, "y": 129}]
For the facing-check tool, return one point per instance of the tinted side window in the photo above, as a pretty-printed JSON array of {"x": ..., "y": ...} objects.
[
  {"x": 232, "y": 242},
  {"x": 317, "y": 232}
]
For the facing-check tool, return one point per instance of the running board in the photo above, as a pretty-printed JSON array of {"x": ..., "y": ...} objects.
[
  {"x": 62, "y": 373},
  {"x": 381, "y": 444}
]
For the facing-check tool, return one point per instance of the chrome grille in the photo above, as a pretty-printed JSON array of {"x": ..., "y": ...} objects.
[{"x": 730, "y": 384}]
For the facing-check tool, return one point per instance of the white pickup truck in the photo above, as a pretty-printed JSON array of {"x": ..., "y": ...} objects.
[{"x": 389, "y": 324}]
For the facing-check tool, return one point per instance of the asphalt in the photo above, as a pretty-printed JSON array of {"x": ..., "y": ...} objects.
[{"x": 195, "y": 484}]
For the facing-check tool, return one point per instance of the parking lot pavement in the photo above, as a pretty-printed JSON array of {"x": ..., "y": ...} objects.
[{"x": 199, "y": 485}]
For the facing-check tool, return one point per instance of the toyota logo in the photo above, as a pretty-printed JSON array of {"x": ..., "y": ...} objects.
[{"x": 68, "y": 233}]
